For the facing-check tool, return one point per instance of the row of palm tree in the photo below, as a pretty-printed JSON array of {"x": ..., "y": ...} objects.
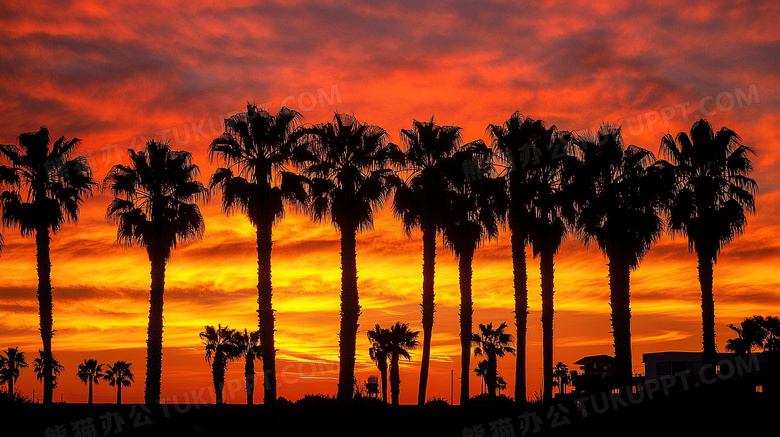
[
  {"x": 225, "y": 345},
  {"x": 547, "y": 184}
]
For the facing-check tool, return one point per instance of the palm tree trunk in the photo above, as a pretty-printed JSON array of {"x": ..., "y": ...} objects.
[
  {"x": 45, "y": 308},
  {"x": 383, "y": 375},
  {"x": 710, "y": 354},
  {"x": 466, "y": 314},
  {"x": 620, "y": 300},
  {"x": 249, "y": 378},
  {"x": 155, "y": 330},
  {"x": 265, "y": 312},
  {"x": 350, "y": 312},
  {"x": 521, "y": 313},
  {"x": 119, "y": 393},
  {"x": 218, "y": 376},
  {"x": 89, "y": 398},
  {"x": 11, "y": 372},
  {"x": 492, "y": 379},
  {"x": 428, "y": 306},
  {"x": 547, "y": 271},
  {"x": 395, "y": 379}
]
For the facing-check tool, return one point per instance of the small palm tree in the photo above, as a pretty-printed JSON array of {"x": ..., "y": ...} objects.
[
  {"x": 11, "y": 364},
  {"x": 222, "y": 347},
  {"x": 119, "y": 375},
  {"x": 401, "y": 341},
  {"x": 56, "y": 368},
  {"x": 481, "y": 371},
  {"x": 713, "y": 197},
  {"x": 50, "y": 186},
  {"x": 493, "y": 344},
  {"x": 152, "y": 206},
  {"x": 249, "y": 344},
  {"x": 350, "y": 180},
  {"x": 379, "y": 352},
  {"x": 562, "y": 377},
  {"x": 90, "y": 372}
]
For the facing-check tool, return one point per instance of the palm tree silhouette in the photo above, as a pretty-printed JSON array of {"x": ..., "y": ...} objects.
[
  {"x": 152, "y": 207},
  {"x": 350, "y": 179},
  {"x": 56, "y": 368},
  {"x": 401, "y": 340},
  {"x": 11, "y": 364},
  {"x": 222, "y": 347},
  {"x": 513, "y": 141},
  {"x": 90, "y": 372},
  {"x": 256, "y": 148},
  {"x": 420, "y": 202},
  {"x": 713, "y": 195},
  {"x": 562, "y": 377},
  {"x": 750, "y": 333},
  {"x": 51, "y": 186},
  {"x": 249, "y": 344},
  {"x": 481, "y": 370},
  {"x": 379, "y": 352},
  {"x": 119, "y": 375},
  {"x": 477, "y": 205},
  {"x": 622, "y": 191},
  {"x": 493, "y": 344},
  {"x": 8, "y": 177}
]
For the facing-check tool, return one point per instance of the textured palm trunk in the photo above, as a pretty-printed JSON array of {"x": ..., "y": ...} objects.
[
  {"x": 119, "y": 393},
  {"x": 466, "y": 314},
  {"x": 218, "y": 376},
  {"x": 383, "y": 375},
  {"x": 89, "y": 398},
  {"x": 395, "y": 379},
  {"x": 45, "y": 309},
  {"x": 265, "y": 312},
  {"x": 249, "y": 379},
  {"x": 492, "y": 380},
  {"x": 710, "y": 354},
  {"x": 428, "y": 306},
  {"x": 155, "y": 330},
  {"x": 620, "y": 300},
  {"x": 11, "y": 371},
  {"x": 547, "y": 271},
  {"x": 350, "y": 312},
  {"x": 521, "y": 313}
]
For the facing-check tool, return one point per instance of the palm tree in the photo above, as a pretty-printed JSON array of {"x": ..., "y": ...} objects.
[
  {"x": 90, "y": 372},
  {"x": 562, "y": 377},
  {"x": 493, "y": 344},
  {"x": 750, "y": 334},
  {"x": 379, "y": 352},
  {"x": 350, "y": 179},
  {"x": 119, "y": 375},
  {"x": 401, "y": 340},
  {"x": 249, "y": 344},
  {"x": 152, "y": 207},
  {"x": 476, "y": 208},
  {"x": 11, "y": 365},
  {"x": 56, "y": 368},
  {"x": 714, "y": 194},
  {"x": 513, "y": 142},
  {"x": 222, "y": 347},
  {"x": 481, "y": 370},
  {"x": 621, "y": 191},
  {"x": 255, "y": 149},
  {"x": 420, "y": 202},
  {"x": 8, "y": 177},
  {"x": 51, "y": 186}
]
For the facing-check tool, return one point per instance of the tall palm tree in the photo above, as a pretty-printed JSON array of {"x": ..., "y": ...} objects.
[
  {"x": 249, "y": 345},
  {"x": 51, "y": 186},
  {"x": 379, "y": 352},
  {"x": 713, "y": 197},
  {"x": 56, "y": 368},
  {"x": 513, "y": 142},
  {"x": 493, "y": 344},
  {"x": 222, "y": 346},
  {"x": 350, "y": 179},
  {"x": 119, "y": 375},
  {"x": 11, "y": 364},
  {"x": 152, "y": 206},
  {"x": 401, "y": 341},
  {"x": 256, "y": 149},
  {"x": 90, "y": 372},
  {"x": 622, "y": 191},
  {"x": 476, "y": 209},
  {"x": 420, "y": 202}
]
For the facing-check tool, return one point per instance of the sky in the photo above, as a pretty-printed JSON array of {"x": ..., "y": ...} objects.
[{"x": 116, "y": 74}]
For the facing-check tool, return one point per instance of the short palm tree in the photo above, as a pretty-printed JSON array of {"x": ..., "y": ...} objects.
[
  {"x": 713, "y": 197},
  {"x": 622, "y": 191},
  {"x": 562, "y": 377},
  {"x": 750, "y": 334},
  {"x": 56, "y": 368},
  {"x": 11, "y": 364},
  {"x": 401, "y": 341},
  {"x": 492, "y": 344},
  {"x": 90, "y": 372},
  {"x": 257, "y": 150},
  {"x": 249, "y": 345},
  {"x": 379, "y": 352},
  {"x": 481, "y": 371},
  {"x": 51, "y": 184},
  {"x": 222, "y": 347},
  {"x": 119, "y": 375},
  {"x": 154, "y": 207},
  {"x": 350, "y": 179},
  {"x": 420, "y": 202}
]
